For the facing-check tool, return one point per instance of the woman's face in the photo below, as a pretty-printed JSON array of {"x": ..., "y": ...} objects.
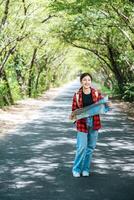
[{"x": 86, "y": 82}]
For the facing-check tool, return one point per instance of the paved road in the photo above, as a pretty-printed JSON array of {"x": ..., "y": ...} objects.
[{"x": 36, "y": 160}]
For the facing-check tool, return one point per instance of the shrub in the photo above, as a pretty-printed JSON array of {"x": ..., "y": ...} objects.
[{"x": 128, "y": 92}]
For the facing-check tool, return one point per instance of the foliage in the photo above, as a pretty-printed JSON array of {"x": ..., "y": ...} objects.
[
  {"x": 44, "y": 43},
  {"x": 129, "y": 92},
  {"x": 104, "y": 29},
  {"x": 31, "y": 59}
]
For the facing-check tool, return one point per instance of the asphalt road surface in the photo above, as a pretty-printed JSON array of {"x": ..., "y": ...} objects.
[{"x": 36, "y": 159}]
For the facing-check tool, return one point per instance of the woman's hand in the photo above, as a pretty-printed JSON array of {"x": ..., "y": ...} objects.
[
  {"x": 72, "y": 116},
  {"x": 109, "y": 104}
]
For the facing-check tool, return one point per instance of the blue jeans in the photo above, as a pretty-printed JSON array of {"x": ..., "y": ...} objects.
[{"x": 86, "y": 143}]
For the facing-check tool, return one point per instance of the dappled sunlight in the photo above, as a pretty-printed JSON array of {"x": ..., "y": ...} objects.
[
  {"x": 21, "y": 184},
  {"x": 122, "y": 145},
  {"x": 39, "y": 155},
  {"x": 49, "y": 143},
  {"x": 112, "y": 130}
]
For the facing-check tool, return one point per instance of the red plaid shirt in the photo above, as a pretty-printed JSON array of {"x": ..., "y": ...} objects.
[{"x": 81, "y": 123}]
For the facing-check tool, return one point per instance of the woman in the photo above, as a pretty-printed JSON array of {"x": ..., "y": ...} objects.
[{"x": 86, "y": 135}]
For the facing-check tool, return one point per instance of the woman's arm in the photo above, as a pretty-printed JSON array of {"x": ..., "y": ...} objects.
[
  {"x": 74, "y": 107},
  {"x": 100, "y": 96},
  {"x": 74, "y": 103}
]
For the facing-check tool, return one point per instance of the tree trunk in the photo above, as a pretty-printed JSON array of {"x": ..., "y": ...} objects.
[
  {"x": 8, "y": 98},
  {"x": 30, "y": 80},
  {"x": 116, "y": 71}
]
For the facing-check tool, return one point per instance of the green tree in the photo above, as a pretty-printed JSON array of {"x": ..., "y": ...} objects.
[{"x": 103, "y": 28}]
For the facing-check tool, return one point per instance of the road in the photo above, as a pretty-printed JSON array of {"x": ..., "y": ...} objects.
[{"x": 36, "y": 159}]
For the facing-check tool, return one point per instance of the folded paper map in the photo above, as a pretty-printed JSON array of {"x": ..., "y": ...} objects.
[{"x": 97, "y": 108}]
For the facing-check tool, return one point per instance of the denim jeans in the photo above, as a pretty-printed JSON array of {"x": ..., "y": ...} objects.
[{"x": 86, "y": 143}]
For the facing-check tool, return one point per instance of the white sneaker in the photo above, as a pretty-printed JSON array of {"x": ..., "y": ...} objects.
[
  {"x": 76, "y": 174},
  {"x": 85, "y": 173}
]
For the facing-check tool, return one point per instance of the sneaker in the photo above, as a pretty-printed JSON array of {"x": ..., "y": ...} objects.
[
  {"x": 85, "y": 173},
  {"x": 76, "y": 174}
]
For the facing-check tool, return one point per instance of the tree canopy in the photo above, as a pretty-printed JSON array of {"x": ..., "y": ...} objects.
[
  {"x": 104, "y": 29},
  {"x": 45, "y": 43}
]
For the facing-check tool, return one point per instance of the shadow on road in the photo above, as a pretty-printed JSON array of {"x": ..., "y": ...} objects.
[{"x": 36, "y": 160}]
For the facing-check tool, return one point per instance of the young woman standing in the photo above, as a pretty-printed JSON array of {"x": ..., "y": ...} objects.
[{"x": 86, "y": 136}]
